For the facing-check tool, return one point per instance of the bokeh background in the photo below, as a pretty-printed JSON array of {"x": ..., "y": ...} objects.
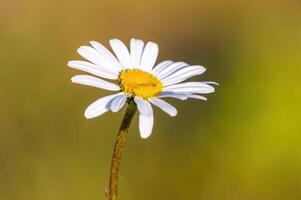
[{"x": 244, "y": 143}]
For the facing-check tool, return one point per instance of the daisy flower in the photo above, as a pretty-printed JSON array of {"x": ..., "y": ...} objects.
[{"x": 134, "y": 76}]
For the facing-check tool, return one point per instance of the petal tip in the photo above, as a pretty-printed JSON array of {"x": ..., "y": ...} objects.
[
  {"x": 114, "y": 40},
  {"x": 80, "y": 49},
  {"x": 73, "y": 79},
  {"x": 174, "y": 114},
  {"x": 114, "y": 110},
  {"x": 69, "y": 63},
  {"x": 92, "y": 42},
  {"x": 87, "y": 116},
  {"x": 145, "y": 135}
]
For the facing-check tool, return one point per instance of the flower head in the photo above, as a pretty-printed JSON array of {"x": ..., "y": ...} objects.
[
  {"x": 136, "y": 76},
  {"x": 139, "y": 83}
]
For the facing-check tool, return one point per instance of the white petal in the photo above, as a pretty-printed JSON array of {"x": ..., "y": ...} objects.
[
  {"x": 162, "y": 65},
  {"x": 143, "y": 106},
  {"x": 149, "y": 56},
  {"x": 136, "y": 52},
  {"x": 95, "y": 57},
  {"x": 171, "y": 69},
  {"x": 181, "y": 96},
  {"x": 118, "y": 102},
  {"x": 100, "y": 106},
  {"x": 183, "y": 74},
  {"x": 195, "y": 96},
  {"x": 173, "y": 95},
  {"x": 94, "y": 82},
  {"x": 146, "y": 118},
  {"x": 91, "y": 68},
  {"x": 166, "y": 107},
  {"x": 122, "y": 53},
  {"x": 108, "y": 57},
  {"x": 211, "y": 82},
  {"x": 192, "y": 90},
  {"x": 146, "y": 125},
  {"x": 190, "y": 87}
]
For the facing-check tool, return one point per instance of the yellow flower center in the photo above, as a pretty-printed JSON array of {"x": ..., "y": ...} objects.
[{"x": 139, "y": 83}]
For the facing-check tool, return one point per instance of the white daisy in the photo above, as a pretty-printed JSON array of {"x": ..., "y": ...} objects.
[{"x": 136, "y": 77}]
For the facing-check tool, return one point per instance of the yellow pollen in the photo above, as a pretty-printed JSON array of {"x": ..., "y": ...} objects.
[{"x": 139, "y": 83}]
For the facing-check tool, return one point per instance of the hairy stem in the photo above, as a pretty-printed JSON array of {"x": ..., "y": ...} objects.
[{"x": 117, "y": 152}]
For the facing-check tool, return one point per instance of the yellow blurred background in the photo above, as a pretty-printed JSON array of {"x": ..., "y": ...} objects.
[{"x": 244, "y": 143}]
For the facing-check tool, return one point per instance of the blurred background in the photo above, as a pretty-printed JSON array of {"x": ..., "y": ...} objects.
[{"x": 244, "y": 143}]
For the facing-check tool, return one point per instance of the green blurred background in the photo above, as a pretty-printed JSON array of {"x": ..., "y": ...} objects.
[{"x": 244, "y": 143}]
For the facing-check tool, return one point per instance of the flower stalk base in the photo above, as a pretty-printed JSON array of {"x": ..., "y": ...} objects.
[{"x": 117, "y": 152}]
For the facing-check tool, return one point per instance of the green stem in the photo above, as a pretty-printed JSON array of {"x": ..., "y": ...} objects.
[{"x": 117, "y": 152}]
